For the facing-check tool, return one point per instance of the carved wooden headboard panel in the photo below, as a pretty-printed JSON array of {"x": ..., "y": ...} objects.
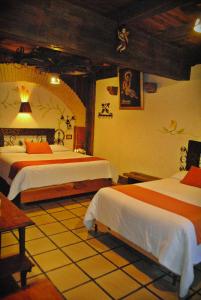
[
  {"x": 40, "y": 132},
  {"x": 193, "y": 154}
]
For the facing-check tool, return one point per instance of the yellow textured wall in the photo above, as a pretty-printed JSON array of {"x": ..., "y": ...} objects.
[
  {"x": 16, "y": 72},
  {"x": 46, "y": 108},
  {"x": 149, "y": 140}
]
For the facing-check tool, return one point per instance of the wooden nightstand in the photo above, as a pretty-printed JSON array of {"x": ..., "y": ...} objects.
[{"x": 135, "y": 177}]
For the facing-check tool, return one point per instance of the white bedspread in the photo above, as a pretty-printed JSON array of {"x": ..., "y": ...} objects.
[
  {"x": 46, "y": 175},
  {"x": 169, "y": 237}
]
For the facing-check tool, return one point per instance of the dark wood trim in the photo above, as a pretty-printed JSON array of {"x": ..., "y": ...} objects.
[
  {"x": 64, "y": 190},
  {"x": 193, "y": 154},
  {"x": 88, "y": 37},
  {"x": 138, "y": 10},
  {"x": 48, "y": 132}
]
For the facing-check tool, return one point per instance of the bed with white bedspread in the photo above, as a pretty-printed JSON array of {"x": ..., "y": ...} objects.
[
  {"x": 71, "y": 173},
  {"x": 165, "y": 235}
]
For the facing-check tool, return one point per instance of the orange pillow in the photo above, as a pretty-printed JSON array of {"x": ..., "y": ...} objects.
[
  {"x": 193, "y": 177},
  {"x": 37, "y": 148}
]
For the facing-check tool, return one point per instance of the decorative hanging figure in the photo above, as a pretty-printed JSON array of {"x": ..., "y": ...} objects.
[{"x": 123, "y": 34}]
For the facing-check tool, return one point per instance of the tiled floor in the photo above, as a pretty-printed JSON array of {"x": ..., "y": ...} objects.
[{"x": 88, "y": 266}]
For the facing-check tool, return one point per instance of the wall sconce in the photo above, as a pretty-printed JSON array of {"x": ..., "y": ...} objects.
[
  {"x": 197, "y": 26},
  {"x": 25, "y": 107},
  {"x": 55, "y": 79},
  {"x": 68, "y": 121},
  {"x": 24, "y": 95}
]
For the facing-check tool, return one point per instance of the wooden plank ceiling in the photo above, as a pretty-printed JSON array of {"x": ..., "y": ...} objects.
[{"x": 64, "y": 35}]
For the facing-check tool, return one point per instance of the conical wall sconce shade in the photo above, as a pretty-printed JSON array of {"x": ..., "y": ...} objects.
[{"x": 25, "y": 107}]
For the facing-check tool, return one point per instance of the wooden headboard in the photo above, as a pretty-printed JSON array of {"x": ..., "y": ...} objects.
[
  {"x": 13, "y": 132},
  {"x": 193, "y": 154}
]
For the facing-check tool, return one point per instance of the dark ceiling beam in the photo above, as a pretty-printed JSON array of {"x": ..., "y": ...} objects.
[
  {"x": 142, "y": 9},
  {"x": 82, "y": 32}
]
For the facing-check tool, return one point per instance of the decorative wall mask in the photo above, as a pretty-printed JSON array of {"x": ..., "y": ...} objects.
[
  {"x": 122, "y": 34},
  {"x": 150, "y": 87},
  {"x": 67, "y": 121},
  {"x": 113, "y": 90},
  {"x": 105, "y": 110}
]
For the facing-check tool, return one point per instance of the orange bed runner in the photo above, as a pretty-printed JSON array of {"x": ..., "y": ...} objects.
[
  {"x": 187, "y": 210},
  {"x": 17, "y": 166}
]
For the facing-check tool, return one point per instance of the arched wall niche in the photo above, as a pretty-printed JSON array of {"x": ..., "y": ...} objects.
[{"x": 17, "y": 72}]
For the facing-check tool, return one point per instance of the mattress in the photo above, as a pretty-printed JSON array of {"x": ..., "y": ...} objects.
[
  {"x": 167, "y": 236},
  {"x": 46, "y": 175}
]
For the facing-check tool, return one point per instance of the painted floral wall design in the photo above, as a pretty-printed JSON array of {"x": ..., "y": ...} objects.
[
  {"x": 173, "y": 128},
  {"x": 46, "y": 107}
]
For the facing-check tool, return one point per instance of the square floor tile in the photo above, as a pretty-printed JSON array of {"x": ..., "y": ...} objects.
[
  {"x": 51, "y": 260},
  {"x": 197, "y": 280},
  {"x": 84, "y": 198},
  {"x": 117, "y": 284},
  {"x": 43, "y": 219},
  {"x": 65, "y": 238},
  {"x": 87, "y": 291},
  {"x": 73, "y": 223},
  {"x": 85, "y": 202},
  {"x": 67, "y": 277},
  {"x": 79, "y": 251},
  {"x": 197, "y": 296},
  {"x": 141, "y": 294},
  {"x": 8, "y": 239},
  {"x": 80, "y": 211},
  {"x": 69, "y": 204},
  {"x": 10, "y": 250},
  {"x": 33, "y": 232},
  {"x": 53, "y": 228},
  {"x": 164, "y": 288},
  {"x": 34, "y": 211},
  {"x": 84, "y": 234},
  {"x": 51, "y": 207},
  {"x": 63, "y": 215},
  {"x": 121, "y": 256},
  {"x": 104, "y": 242},
  {"x": 35, "y": 279},
  {"x": 96, "y": 266},
  {"x": 143, "y": 271},
  {"x": 39, "y": 246}
]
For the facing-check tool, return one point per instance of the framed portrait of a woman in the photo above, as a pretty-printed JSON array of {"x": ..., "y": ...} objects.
[{"x": 131, "y": 89}]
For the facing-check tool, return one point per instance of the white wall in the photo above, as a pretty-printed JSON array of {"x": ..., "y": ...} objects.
[{"x": 140, "y": 140}]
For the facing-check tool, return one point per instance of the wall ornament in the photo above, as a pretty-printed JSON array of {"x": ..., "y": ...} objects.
[{"x": 105, "y": 111}]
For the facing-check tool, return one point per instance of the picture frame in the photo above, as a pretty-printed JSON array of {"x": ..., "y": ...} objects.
[{"x": 131, "y": 89}]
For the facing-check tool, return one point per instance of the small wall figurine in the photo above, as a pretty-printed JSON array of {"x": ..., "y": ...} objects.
[
  {"x": 123, "y": 34},
  {"x": 105, "y": 110}
]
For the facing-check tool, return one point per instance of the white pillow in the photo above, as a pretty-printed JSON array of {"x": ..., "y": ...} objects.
[
  {"x": 180, "y": 175},
  {"x": 58, "y": 148},
  {"x": 12, "y": 149}
]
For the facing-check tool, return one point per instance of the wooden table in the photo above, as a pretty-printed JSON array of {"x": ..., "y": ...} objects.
[
  {"x": 12, "y": 218},
  {"x": 136, "y": 177}
]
